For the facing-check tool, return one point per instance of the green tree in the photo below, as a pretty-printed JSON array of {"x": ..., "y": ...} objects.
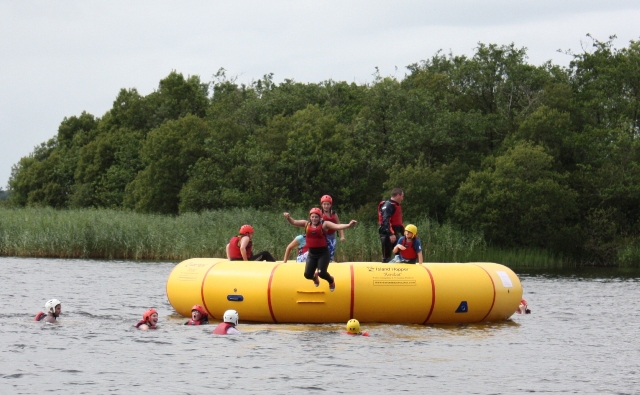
[
  {"x": 517, "y": 199},
  {"x": 168, "y": 153}
]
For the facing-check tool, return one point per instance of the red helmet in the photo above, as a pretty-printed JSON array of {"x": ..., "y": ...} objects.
[
  {"x": 326, "y": 198},
  {"x": 147, "y": 314},
  {"x": 315, "y": 210},
  {"x": 200, "y": 309},
  {"x": 246, "y": 230},
  {"x": 523, "y": 302}
]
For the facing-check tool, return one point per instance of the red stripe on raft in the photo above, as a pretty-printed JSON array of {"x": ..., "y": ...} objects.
[
  {"x": 273, "y": 317},
  {"x": 352, "y": 292},
  {"x": 494, "y": 292},
  {"x": 433, "y": 295},
  {"x": 204, "y": 304}
]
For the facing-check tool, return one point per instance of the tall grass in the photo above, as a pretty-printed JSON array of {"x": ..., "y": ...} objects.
[{"x": 113, "y": 234}]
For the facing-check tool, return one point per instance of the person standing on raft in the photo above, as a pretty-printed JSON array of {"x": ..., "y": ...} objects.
[
  {"x": 239, "y": 248},
  {"x": 326, "y": 203},
  {"x": 319, "y": 257},
  {"x": 390, "y": 221}
]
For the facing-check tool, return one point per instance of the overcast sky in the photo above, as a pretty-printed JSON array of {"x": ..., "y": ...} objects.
[{"x": 59, "y": 58}]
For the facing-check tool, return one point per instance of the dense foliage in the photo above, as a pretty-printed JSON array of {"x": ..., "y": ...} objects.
[{"x": 532, "y": 156}]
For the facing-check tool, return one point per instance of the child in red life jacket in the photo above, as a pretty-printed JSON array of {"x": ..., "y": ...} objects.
[
  {"x": 53, "y": 309},
  {"x": 523, "y": 308},
  {"x": 199, "y": 316},
  {"x": 409, "y": 248},
  {"x": 240, "y": 247},
  {"x": 353, "y": 328},
  {"x": 149, "y": 320},
  {"x": 315, "y": 230},
  {"x": 228, "y": 326}
]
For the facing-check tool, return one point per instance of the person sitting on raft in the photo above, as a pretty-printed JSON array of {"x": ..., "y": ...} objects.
[
  {"x": 149, "y": 320},
  {"x": 228, "y": 326},
  {"x": 353, "y": 328},
  {"x": 239, "y": 248},
  {"x": 301, "y": 243},
  {"x": 523, "y": 308},
  {"x": 53, "y": 309},
  {"x": 199, "y": 316},
  {"x": 409, "y": 248},
  {"x": 319, "y": 257}
]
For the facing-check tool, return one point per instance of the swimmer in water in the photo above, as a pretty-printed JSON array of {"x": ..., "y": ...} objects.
[
  {"x": 353, "y": 328},
  {"x": 53, "y": 309},
  {"x": 228, "y": 326},
  {"x": 523, "y": 308},
  {"x": 149, "y": 320},
  {"x": 199, "y": 316}
]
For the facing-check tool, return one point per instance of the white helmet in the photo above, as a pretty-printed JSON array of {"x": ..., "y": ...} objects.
[
  {"x": 50, "y": 306},
  {"x": 231, "y": 316}
]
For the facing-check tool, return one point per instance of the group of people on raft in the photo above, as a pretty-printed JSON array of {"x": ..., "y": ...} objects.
[{"x": 317, "y": 244}]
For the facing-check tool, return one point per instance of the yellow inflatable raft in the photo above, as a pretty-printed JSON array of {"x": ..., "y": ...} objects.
[{"x": 433, "y": 293}]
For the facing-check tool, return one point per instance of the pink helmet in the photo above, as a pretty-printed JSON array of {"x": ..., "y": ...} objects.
[
  {"x": 246, "y": 230},
  {"x": 326, "y": 198}
]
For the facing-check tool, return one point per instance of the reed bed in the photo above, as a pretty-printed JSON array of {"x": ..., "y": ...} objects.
[{"x": 114, "y": 234}]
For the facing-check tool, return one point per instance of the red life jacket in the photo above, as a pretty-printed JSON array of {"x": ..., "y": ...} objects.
[
  {"x": 39, "y": 316},
  {"x": 396, "y": 218},
  {"x": 234, "y": 247},
  {"x": 221, "y": 329},
  {"x": 315, "y": 236},
  {"x": 410, "y": 252},
  {"x": 330, "y": 218}
]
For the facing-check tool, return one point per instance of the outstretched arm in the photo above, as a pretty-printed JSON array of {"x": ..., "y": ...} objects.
[
  {"x": 295, "y": 222},
  {"x": 330, "y": 225}
]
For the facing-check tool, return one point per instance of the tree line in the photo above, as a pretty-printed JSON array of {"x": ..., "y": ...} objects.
[{"x": 532, "y": 156}]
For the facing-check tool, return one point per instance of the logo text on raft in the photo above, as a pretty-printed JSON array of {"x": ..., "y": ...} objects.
[{"x": 387, "y": 269}]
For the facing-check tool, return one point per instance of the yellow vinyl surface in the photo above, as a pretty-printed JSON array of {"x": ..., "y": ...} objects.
[{"x": 433, "y": 293}]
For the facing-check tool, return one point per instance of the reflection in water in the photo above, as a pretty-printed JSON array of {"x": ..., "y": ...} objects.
[{"x": 580, "y": 338}]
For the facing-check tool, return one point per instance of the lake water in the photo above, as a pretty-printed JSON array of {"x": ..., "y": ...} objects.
[{"x": 582, "y": 338}]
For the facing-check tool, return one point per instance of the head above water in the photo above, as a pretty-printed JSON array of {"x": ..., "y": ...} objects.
[
  {"x": 198, "y": 312},
  {"x": 231, "y": 316},
  {"x": 53, "y": 306},
  {"x": 353, "y": 326},
  {"x": 150, "y": 317}
]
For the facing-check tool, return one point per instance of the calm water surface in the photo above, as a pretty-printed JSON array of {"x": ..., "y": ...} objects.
[{"x": 582, "y": 338}]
